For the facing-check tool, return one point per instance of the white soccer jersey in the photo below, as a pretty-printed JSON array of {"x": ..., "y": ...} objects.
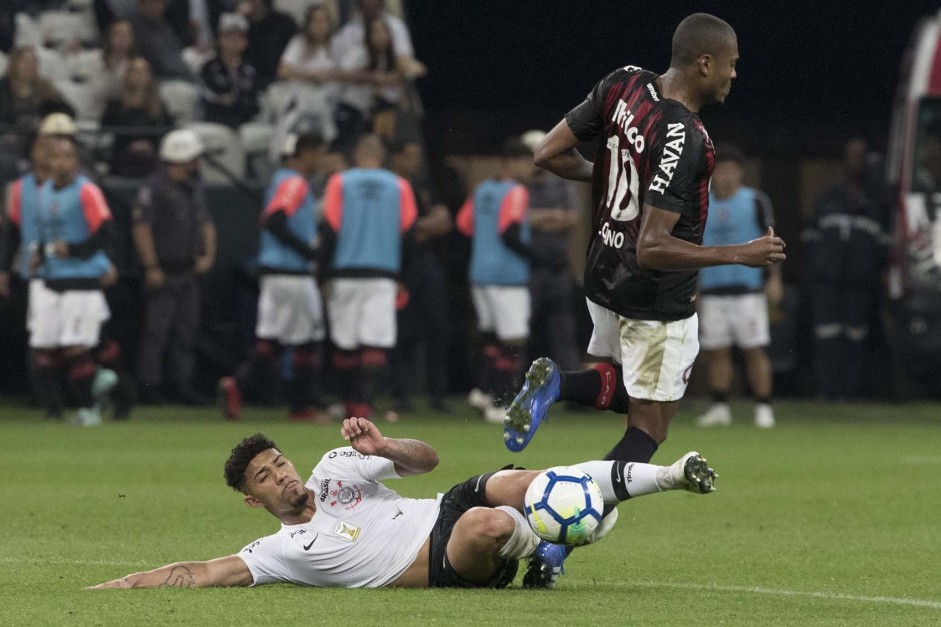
[{"x": 363, "y": 535}]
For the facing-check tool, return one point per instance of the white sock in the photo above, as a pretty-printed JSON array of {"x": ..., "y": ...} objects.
[
  {"x": 523, "y": 541},
  {"x": 620, "y": 481}
]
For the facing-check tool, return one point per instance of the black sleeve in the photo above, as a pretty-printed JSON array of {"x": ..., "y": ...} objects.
[
  {"x": 512, "y": 238},
  {"x": 328, "y": 245},
  {"x": 587, "y": 119},
  {"x": 11, "y": 241},
  {"x": 678, "y": 157},
  {"x": 99, "y": 240},
  {"x": 277, "y": 224},
  {"x": 764, "y": 215}
]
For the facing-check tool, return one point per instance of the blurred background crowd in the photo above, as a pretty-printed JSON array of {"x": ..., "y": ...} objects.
[{"x": 247, "y": 77}]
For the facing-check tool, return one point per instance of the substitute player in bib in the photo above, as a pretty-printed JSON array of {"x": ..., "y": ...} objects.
[
  {"x": 368, "y": 215},
  {"x": 733, "y": 300},
  {"x": 650, "y": 192},
  {"x": 495, "y": 218},
  {"x": 343, "y": 527},
  {"x": 73, "y": 230},
  {"x": 290, "y": 310}
]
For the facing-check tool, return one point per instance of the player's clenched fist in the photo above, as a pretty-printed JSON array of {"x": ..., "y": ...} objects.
[{"x": 363, "y": 435}]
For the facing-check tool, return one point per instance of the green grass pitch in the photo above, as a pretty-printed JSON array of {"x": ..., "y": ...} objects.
[{"x": 833, "y": 518}]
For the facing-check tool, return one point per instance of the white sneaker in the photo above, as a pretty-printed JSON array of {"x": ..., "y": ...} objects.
[
  {"x": 690, "y": 472},
  {"x": 87, "y": 417},
  {"x": 764, "y": 416},
  {"x": 478, "y": 399},
  {"x": 719, "y": 415},
  {"x": 495, "y": 415}
]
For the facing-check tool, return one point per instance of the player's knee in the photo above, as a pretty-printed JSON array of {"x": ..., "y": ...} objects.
[{"x": 488, "y": 524}]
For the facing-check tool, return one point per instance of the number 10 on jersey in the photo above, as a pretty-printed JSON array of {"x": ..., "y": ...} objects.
[{"x": 622, "y": 179}]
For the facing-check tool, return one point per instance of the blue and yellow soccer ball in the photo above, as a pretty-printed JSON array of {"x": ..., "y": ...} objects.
[{"x": 563, "y": 505}]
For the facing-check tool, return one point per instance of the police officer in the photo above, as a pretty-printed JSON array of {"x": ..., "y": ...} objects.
[{"x": 176, "y": 241}]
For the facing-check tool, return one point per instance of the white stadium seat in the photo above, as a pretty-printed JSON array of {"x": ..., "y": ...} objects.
[
  {"x": 222, "y": 146},
  {"x": 3, "y": 63},
  {"x": 58, "y": 27},
  {"x": 256, "y": 138},
  {"x": 84, "y": 64},
  {"x": 26, "y": 32},
  {"x": 182, "y": 100},
  {"x": 294, "y": 8},
  {"x": 80, "y": 96},
  {"x": 51, "y": 64}
]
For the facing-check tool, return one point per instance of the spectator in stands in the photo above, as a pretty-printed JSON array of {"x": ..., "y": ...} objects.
[
  {"x": 176, "y": 241},
  {"x": 309, "y": 68},
  {"x": 553, "y": 215},
  {"x": 116, "y": 55},
  {"x": 290, "y": 309},
  {"x": 423, "y": 311},
  {"x": 495, "y": 218},
  {"x": 139, "y": 109},
  {"x": 353, "y": 34},
  {"x": 157, "y": 41},
  {"x": 228, "y": 84},
  {"x": 25, "y": 97},
  {"x": 269, "y": 32},
  {"x": 368, "y": 216}
]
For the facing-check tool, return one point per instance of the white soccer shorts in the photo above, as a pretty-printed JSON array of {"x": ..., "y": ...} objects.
[
  {"x": 362, "y": 313},
  {"x": 740, "y": 320},
  {"x": 656, "y": 357},
  {"x": 70, "y": 318},
  {"x": 503, "y": 310},
  {"x": 290, "y": 310}
]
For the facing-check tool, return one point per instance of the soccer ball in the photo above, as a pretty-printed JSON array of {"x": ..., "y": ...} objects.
[{"x": 563, "y": 505}]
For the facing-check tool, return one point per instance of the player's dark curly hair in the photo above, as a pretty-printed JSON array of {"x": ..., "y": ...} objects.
[{"x": 242, "y": 455}]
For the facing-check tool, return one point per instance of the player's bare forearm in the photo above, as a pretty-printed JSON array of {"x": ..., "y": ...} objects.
[
  {"x": 223, "y": 572},
  {"x": 411, "y": 457},
  {"x": 557, "y": 153}
]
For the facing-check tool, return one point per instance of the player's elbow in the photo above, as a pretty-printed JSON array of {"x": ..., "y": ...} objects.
[
  {"x": 650, "y": 254},
  {"x": 541, "y": 155}
]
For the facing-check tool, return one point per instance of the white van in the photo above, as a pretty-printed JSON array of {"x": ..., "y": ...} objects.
[{"x": 913, "y": 167}]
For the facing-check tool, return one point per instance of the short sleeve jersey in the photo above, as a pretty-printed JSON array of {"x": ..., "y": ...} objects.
[
  {"x": 653, "y": 151},
  {"x": 363, "y": 535}
]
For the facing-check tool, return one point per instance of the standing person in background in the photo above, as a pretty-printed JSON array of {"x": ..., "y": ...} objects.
[
  {"x": 495, "y": 216},
  {"x": 176, "y": 242},
  {"x": 107, "y": 74},
  {"x": 157, "y": 41},
  {"x": 423, "y": 314},
  {"x": 846, "y": 251},
  {"x": 73, "y": 228},
  {"x": 369, "y": 213},
  {"x": 553, "y": 215},
  {"x": 290, "y": 309},
  {"x": 734, "y": 300},
  {"x": 269, "y": 32},
  {"x": 227, "y": 83}
]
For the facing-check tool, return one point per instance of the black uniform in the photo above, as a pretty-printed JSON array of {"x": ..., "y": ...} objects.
[{"x": 654, "y": 151}]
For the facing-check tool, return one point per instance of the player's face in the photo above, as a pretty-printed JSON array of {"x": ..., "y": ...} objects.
[
  {"x": 727, "y": 178},
  {"x": 724, "y": 72},
  {"x": 272, "y": 482},
  {"x": 39, "y": 156},
  {"x": 63, "y": 161}
]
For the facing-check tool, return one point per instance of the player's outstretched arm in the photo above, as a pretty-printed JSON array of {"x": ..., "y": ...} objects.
[
  {"x": 411, "y": 457},
  {"x": 556, "y": 152},
  {"x": 223, "y": 572}
]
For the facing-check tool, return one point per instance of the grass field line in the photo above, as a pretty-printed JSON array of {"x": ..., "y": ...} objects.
[
  {"x": 830, "y": 596},
  {"x": 922, "y": 459}
]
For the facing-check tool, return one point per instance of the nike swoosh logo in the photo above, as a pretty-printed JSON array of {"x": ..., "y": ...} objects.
[{"x": 307, "y": 547}]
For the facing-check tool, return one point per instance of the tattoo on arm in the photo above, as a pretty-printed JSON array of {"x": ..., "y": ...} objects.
[{"x": 179, "y": 577}]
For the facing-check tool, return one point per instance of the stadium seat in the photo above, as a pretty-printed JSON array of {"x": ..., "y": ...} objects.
[
  {"x": 182, "y": 100},
  {"x": 26, "y": 32},
  {"x": 256, "y": 138},
  {"x": 222, "y": 147},
  {"x": 58, "y": 27},
  {"x": 84, "y": 64},
  {"x": 51, "y": 64},
  {"x": 294, "y": 8},
  {"x": 195, "y": 59},
  {"x": 275, "y": 100},
  {"x": 80, "y": 96},
  {"x": 3, "y": 63}
]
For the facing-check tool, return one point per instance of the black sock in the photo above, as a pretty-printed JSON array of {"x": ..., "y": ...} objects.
[
  {"x": 763, "y": 400},
  {"x": 80, "y": 376},
  {"x": 48, "y": 388},
  {"x": 635, "y": 446},
  {"x": 260, "y": 371},
  {"x": 305, "y": 364},
  {"x": 720, "y": 397},
  {"x": 580, "y": 386}
]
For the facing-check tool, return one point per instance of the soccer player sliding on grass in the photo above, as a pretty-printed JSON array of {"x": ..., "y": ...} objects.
[{"x": 344, "y": 528}]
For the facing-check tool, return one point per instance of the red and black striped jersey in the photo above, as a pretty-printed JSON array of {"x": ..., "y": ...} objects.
[{"x": 652, "y": 151}]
